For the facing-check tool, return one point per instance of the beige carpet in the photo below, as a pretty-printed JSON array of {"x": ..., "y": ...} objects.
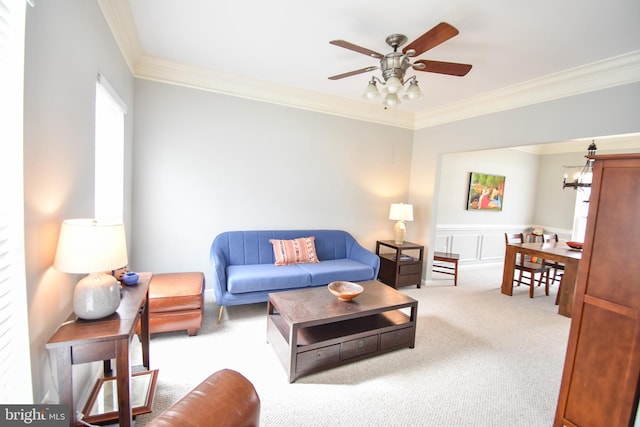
[{"x": 481, "y": 359}]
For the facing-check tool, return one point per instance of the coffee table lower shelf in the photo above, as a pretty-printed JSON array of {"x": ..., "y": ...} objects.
[{"x": 327, "y": 345}]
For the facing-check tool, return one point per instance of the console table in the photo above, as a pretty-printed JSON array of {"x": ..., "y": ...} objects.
[
  {"x": 398, "y": 268},
  {"x": 81, "y": 341}
]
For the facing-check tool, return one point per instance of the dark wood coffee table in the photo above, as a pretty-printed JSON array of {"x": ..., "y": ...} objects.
[{"x": 311, "y": 330}]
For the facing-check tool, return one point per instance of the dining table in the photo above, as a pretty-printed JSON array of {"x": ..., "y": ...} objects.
[{"x": 552, "y": 251}]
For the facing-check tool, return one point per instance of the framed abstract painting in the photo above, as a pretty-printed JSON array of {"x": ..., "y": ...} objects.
[{"x": 486, "y": 192}]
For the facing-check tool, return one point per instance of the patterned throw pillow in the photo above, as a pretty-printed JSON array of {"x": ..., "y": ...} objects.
[{"x": 296, "y": 251}]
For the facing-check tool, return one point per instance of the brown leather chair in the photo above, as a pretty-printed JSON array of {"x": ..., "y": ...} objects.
[{"x": 225, "y": 399}]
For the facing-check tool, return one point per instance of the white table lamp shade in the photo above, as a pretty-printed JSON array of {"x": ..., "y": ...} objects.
[
  {"x": 400, "y": 213},
  {"x": 89, "y": 246},
  {"x": 95, "y": 247}
]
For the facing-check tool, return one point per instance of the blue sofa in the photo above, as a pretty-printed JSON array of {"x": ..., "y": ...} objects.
[{"x": 244, "y": 269}]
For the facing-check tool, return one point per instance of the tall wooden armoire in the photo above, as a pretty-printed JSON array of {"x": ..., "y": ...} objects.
[{"x": 600, "y": 382}]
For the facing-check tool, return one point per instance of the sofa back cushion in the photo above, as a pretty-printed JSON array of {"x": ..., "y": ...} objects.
[{"x": 254, "y": 247}]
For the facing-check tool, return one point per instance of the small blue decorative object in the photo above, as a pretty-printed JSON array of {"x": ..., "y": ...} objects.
[{"x": 130, "y": 278}]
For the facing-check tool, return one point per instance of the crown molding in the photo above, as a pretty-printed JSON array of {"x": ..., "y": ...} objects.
[
  {"x": 616, "y": 71},
  {"x": 152, "y": 68},
  {"x": 619, "y": 70},
  {"x": 625, "y": 142},
  {"x": 117, "y": 13}
]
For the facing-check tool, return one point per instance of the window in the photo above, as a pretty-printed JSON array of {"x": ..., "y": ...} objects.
[
  {"x": 580, "y": 214},
  {"x": 109, "y": 152},
  {"x": 15, "y": 369}
]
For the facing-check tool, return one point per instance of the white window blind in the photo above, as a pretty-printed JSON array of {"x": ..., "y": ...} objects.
[
  {"x": 109, "y": 157},
  {"x": 15, "y": 370}
]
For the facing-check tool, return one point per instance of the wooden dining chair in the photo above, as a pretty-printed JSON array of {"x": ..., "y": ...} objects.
[
  {"x": 557, "y": 268},
  {"x": 523, "y": 264}
]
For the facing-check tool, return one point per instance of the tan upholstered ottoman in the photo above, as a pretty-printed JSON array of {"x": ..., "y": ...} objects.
[{"x": 176, "y": 302}]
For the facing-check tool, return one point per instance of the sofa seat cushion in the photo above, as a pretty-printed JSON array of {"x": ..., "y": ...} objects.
[
  {"x": 176, "y": 292},
  {"x": 337, "y": 269},
  {"x": 266, "y": 277}
]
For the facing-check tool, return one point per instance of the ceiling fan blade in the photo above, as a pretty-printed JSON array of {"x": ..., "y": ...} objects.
[
  {"x": 450, "y": 68},
  {"x": 356, "y": 48},
  {"x": 352, "y": 73},
  {"x": 432, "y": 38}
]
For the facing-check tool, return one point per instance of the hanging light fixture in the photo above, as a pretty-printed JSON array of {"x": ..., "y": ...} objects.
[{"x": 582, "y": 179}]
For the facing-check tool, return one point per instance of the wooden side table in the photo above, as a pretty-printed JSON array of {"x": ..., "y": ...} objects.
[
  {"x": 444, "y": 259},
  {"x": 403, "y": 266},
  {"x": 81, "y": 341}
]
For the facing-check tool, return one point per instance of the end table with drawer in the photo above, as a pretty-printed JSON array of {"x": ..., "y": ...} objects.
[
  {"x": 81, "y": 341},
  {"x": 402, "y": 265}
]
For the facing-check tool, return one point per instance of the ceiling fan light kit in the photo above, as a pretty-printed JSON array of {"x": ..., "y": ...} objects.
[
  {"x": 391, "y": 100},
  {"x": 413, "y": 91},
  {"x": 394, "y": 65},
  {"x": 393, "y": 85},
  {"x": 371, "y": 91}
]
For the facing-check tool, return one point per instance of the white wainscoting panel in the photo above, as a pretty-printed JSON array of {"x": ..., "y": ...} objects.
[
  {"x": 492, "y": 247},
  {"x": 466, "y": 245},
  {"x": 477, "y": 244}
]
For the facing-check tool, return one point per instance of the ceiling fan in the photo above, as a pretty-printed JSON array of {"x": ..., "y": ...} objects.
[{"x": 395, "y": 64}]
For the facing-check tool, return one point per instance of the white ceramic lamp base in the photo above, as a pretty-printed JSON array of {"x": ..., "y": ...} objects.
[
  {"x": 399, "y": 231},
  {"x": 96, "y": 296}
]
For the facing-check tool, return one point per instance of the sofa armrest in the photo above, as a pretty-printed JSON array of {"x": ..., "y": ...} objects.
[
  {"x": 219, "y": 265},
  {"x": 358, "y": 253}
]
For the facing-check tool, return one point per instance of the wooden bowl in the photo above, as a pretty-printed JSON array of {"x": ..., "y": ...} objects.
[
  {"x": 345, "y": 291},
  {"x": 574, "y": 245}
]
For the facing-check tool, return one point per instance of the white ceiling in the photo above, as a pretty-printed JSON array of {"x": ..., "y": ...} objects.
[{"x": 279, "y": 50}]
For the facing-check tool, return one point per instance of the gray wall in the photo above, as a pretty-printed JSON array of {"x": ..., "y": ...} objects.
[
  {"x": 533, "y": 191},
  {"x": 534, "y": 194},
  {"x": 520, "y": 169},
  {"x": 611, "y": 111},
  {"x": 67, "y": 44},
  {"x": 207, "y": 163},
  {"x": 554, "y": 206},
  {"x": 204, "y": 162}
]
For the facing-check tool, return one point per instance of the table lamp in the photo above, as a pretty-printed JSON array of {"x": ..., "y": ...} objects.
[
  {"x": 400, "y": 212},
  {"x": 93, "y": 247}
]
